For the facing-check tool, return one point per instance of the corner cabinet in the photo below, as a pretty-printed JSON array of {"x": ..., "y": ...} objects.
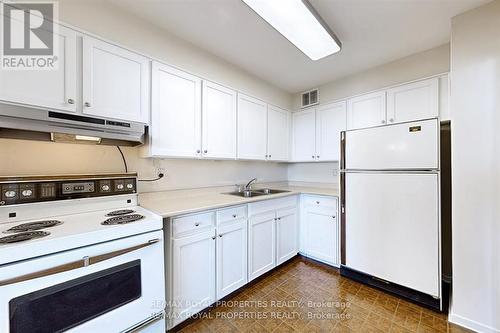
[
  {"x": 175, "y": 113},
  {"x": 51, "y": 89},
  {"x": 278, "y": 134},
  {"x": 115, "y": 82},
  {"x": 252, "y": 128}
]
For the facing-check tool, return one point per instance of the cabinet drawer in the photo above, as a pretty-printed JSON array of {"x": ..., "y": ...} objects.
[
  {"x": 271, "y": 205},
  {"x": 231, "y": 214},
  {"x": 193, "y": 224},
  {"x": 318, "y": 201}
]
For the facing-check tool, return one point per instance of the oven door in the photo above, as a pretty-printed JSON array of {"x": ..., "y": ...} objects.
[{"x": 110, "y": 287}]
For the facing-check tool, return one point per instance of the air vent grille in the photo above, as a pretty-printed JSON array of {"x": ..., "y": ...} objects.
[{"x": 309, "y": 98}]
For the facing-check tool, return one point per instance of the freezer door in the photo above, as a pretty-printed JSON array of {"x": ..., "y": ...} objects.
[
  {"x": 392, "y": 228},
  {"x": 407, "y": 146}
]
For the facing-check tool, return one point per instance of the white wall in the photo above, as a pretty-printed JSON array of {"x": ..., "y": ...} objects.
[
  {"x": 475, "y": 116},
  {"x": 322, "y": 172},
  {"x": 95, "y": 16}
]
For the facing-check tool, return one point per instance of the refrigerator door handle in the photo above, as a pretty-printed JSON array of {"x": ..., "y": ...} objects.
[{"x": 342, "y": 220}]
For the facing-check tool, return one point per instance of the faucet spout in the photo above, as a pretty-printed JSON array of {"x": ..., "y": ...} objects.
[{"x": 247, "y": 186}]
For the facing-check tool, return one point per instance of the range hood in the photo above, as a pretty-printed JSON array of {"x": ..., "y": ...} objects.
[{"x": 35, "y": 124}]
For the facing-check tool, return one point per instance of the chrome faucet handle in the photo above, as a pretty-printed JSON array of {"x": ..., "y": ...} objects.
[{"x": 239, "y": 187}]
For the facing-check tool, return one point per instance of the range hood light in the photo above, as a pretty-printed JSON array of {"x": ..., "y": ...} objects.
[
  {"x": 298, "y": 22},
  {"x": 74, "y": 138}
]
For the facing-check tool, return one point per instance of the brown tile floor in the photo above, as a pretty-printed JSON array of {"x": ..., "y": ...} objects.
[{"x": 303, "y": 296}]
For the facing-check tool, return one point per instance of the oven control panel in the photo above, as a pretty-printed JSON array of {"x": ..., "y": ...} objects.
[{"x": 23, "y": 191}]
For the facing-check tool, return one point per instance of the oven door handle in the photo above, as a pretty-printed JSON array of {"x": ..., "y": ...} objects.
[{"x": 84, "y": 262}]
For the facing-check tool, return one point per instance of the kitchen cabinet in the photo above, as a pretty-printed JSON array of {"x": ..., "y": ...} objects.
[
  {"x": 330, "y": 121},
  {"x": 252, "y": 128},
  {"x": 413, "y": 101},
  {"x": 193, "y": 274},
  {"x": 366, "y": 110},
  {"x": 218, "y": 121},
  {"x": 278, "y": 134},
  {"x": 46, "y": 89},
  {"x": 304, "y": 136},
  {"x": 175, "y": 113},
  {"x": 231, "y": 257},
  {"x": 261, "y": 244},
  {"x": 286, "y": 235},
  {"x": 115, "y": 81},
  {"x": 316, "y": 133},
  {"x": 320, "y": 229}
]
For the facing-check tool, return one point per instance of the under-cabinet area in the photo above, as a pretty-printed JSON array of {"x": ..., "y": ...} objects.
[{"x": 211, "y": 254}]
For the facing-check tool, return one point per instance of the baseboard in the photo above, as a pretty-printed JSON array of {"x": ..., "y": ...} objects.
[{"x": 471, "y": 324}]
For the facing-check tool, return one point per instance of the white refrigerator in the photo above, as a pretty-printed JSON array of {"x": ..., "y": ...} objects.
[{"x": 390, "y": 209}]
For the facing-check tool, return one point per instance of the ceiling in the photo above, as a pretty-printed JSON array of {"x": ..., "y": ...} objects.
[{"x": 372, "y": 32}]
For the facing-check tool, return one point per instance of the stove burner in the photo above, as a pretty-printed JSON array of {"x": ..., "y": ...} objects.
[
  {"x": 120, "y": 212},
  {"x": 24, "y": 236},
  {"x": 124, "y": 219},
  {"x": 32, "y": 226}
]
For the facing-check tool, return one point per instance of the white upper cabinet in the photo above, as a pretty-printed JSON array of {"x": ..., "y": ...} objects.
[
  {"x": 218, "y": 121},
  {"x": 51, "y": 89},
  {"x": 304, "y": 136},
  {"x": 414, "y": 101},
  {"x": 176, "y": 113},
  {"x": 115, "y": 82},
  {"x": 278, "y": 135},
  {"x": 366, "y": 110},
  {"x": 252, "y": 128},
  {"x": 330, "y": 121}
]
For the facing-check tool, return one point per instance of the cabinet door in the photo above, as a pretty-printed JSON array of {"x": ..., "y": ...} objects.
[
  {"x": 321, "y": 230},
  {"x": 231, "y": 257},
  {"x": 52, "y": 89},
  {"x": 330, "y": 121},
  {"x": 278, "y": 134},
  {"x": 261, "y": 245},
  {"x": 219, "y": 121},
  {"x": 115, "y": 82},
  {"x": 252, "y": 128},
  {"x": 304, "y": 136},
  {"x": 193, "y": 274},
  {"x": 176, "y": 113},
  {"x": 414, "y": 101},
  {"x": 366, "y": 110},
  {"x": 286, "y": 235}
]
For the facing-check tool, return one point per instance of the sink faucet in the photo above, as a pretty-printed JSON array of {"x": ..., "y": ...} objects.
[{"x": 248, "y": 186}]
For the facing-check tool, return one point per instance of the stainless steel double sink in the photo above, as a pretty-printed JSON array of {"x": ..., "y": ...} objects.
[{"x": 255, "y": 193}]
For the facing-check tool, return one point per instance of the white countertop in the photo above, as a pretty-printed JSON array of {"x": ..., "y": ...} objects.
[{"x": 179, "y": 202}]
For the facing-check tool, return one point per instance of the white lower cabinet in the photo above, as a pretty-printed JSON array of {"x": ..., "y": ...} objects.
[
  {"x": 231, "y": 257},
  {"x": 261, "y": 244},
  {"x": 286, "y": 235},
  {"x": 193, "y": 274},
  {"x": 320, "y": 229}
]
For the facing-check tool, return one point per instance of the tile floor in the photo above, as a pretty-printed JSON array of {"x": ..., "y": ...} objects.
[{"x": 304, "y": 296}]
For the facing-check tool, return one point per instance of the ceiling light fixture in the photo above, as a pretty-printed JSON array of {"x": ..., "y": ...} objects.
[{"x": 298, "y": 22}]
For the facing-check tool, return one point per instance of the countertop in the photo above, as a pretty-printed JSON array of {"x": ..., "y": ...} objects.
[{"x": 179, "y": 202}]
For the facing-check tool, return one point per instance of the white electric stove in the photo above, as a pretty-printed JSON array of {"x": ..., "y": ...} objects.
[{"x": 78, "y": 254}]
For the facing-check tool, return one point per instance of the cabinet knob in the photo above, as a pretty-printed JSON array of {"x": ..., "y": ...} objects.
[
  {"x": 333, "y": 216},
  {"x": 198, "y": 151},
  {"x": 317, "y": 156},
  {"x": 213, "y": 237},
  {"x": 196, "y": 224},
  {"x": 220, "y": 235},
  {"x": 269, "y": 156},
  {"x": 391, "y": 120},
  {"x": 87, "y": 104},
  {"x": 313, "y": 156},
  {"x": 234, "y": 216},
  {"x": 205, "y": 151},
  {"x": 71, "y": 101},
  {"x": 317, "y": 202},
  {"x": 383, "y": 121}
]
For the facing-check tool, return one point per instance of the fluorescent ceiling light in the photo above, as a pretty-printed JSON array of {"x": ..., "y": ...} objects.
[{"x": 300, "y": 24}]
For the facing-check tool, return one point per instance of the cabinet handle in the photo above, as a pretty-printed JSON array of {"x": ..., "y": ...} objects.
[
  {"x": 313, "y": 156},
  {"x": 87, "y": 104},
  {"x": 383, "y": 121},
  {"x": 220, "y": 235},
  {"x": 213, "y": 237},
  {"x": 391, "y": 120},
  {"x": 198, "y": 151},
  {"x": 279, "y": 218},
  {"x": 196, "y": 224},
  {"x": 205, "y": 151},
  {"x": 333, "y": 216},
  {"x": 317, "y": 202},
  {"x": 71, "y": 101},
  {"x": 317, "y": 156},
  {"x": 234, "y": 216}
]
